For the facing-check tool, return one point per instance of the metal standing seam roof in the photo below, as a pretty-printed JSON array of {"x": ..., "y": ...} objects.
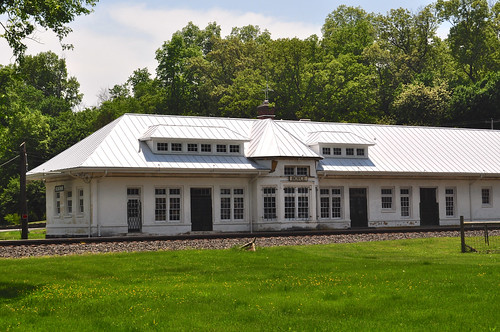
[
  {"x": 269, "y": 139},
  {"x": 397, "y": 150},
  {"x": 332, "y": 137},
  {"x": 184, "y": 132}
]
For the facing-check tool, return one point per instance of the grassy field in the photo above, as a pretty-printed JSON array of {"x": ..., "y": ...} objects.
[
  {"x": 406, "y": 285},
  {"x": 16, "y": 234}
]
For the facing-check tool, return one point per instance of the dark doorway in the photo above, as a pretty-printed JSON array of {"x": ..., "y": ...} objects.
[
  {"x": 358, "y": 207},
  {"x": 201, "y": 209},
  {"x": 134, "y": 215},
  {"x": 429, "y": 207}
]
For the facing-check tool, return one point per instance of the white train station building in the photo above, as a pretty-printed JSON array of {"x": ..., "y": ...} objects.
[{"x": 170, "y": 175}]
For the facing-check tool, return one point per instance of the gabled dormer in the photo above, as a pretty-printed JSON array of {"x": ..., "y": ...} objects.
[
  {"x": 330, "y": 144},
  {"x": 194, "y": 140}
]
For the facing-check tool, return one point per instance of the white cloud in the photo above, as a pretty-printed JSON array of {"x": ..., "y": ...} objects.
[{"x": 117, "y": 39}]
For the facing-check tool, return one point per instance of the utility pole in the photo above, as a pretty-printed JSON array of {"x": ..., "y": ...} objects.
[{"x": 22, "y": 196}]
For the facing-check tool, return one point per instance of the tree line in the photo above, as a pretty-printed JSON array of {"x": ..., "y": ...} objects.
[{"x": 389, "y": 68}]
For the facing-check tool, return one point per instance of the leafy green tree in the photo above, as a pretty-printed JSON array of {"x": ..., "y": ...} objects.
[
  {"x": 24, "y": 17},
  {"x": 418, "y": 104},
  {"x": 475, "y": 105},
  {"x": 474, "y": 35},
  {"x": 47, "y": 73},
  {"x": 348, "y": 30}
]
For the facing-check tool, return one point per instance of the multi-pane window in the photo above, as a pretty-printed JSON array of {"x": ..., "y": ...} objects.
[
  {"x": 331, "y": 203},
  {"x": 349, "y": 152},
  {"x": 302, "y": 171},
  {"x": 133, "y": 192},
  {"x": 176, "y": 147},
  {"x": 387, "y": 198},
  {"x": 289, "y": 170},
  {"x": 234, "y": 148},
  {"x": 486, "y": 196},
  {"x": 174, "y": 208},
  {"x": 221, "y": 148},
  {"x": 269, "y": 203},
  {"x": 160, "y": 204},
  {"x": 232, "y": 204},
  {"x": 238, "y": 199},
  {"x": 69, "y": 202},
  {"x": 162, "y": 146},
  {"x": 327, "y": 151},
  {"x": 296, "y": 203},
  {"x": 167, "y": 204},
  {"x": 450, "y": 202},
  {"x": 289, "y": 203},
  {"x": 58, "y": 204},
  {"x": 299, "y": 171},
  {"x": 405, "y": 202},
  {"x": 192, "y": 147},
  {"x": 206, "y": 147},
  {"x": 225, "y": 204},
  {"x": 337, "y": 151},
  {"x": 360, "y": 152},
  {"x": 81, "y": 206}
]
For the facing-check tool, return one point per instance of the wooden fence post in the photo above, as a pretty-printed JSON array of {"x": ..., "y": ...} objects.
[{"x": 462, "y": 233}]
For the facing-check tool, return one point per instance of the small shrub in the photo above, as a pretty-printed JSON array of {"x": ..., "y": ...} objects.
[{"x": 12, "y": 219}]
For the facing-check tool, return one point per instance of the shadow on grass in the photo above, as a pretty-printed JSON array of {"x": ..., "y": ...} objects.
[{"x": 12, "y": 290}]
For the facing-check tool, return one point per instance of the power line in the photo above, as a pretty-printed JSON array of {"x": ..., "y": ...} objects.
[{"x": 5, "y": 163}]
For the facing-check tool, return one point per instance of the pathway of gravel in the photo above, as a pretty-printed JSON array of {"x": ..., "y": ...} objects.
[{"x": 135, "y": 246}]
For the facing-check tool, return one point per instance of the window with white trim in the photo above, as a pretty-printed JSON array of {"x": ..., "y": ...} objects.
[
  {"x": 167, "y": 204},
  {"x": 337, "y": 151},
  {"x": 450, "y": 202},
  {"x": 176, "y": 147},
  {"x": 387, "y": 197},
  {"x": 69, "y": 203},
  {"x": 405, "y": 201},
  {"x": 161, "y": 146},
  {"x": 269, "y": 195},
  {"x": 81, "y": 202},
  {"x": 331, "y": 203},
  {"x": 221, "y": 148},
  {"x": 296, "y": 202},
  {"x": 57, "y": 204},
  {"x": 232, "y": 204},
  {"x": 327, "y": 151},
  {"x": 206, "y": 147},
  {"x": 192, "y": 147},
  {"x": 234, "y": 148},
  {"x": 296, "y": 170},
  {"x": 349, "y": 152},
  {"x": 486, "y": 197},
  {"x": 360, "y": 152}
]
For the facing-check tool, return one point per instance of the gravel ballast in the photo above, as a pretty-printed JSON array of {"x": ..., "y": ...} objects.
[{"x": 20, "y": 251}]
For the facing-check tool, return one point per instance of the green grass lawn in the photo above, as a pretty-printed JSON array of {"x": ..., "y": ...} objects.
[
  {"x": 34, "y": 233},
  {"x": 407, "y": 285}
]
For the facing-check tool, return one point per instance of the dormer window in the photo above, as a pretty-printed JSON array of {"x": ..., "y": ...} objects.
[
  {"x": 162, "y": 146},
  {"x": 206, "y": 148},
  {"x": 192, "y": 140},
  {"x": 360, "y": 152},
  {"x": 234, "y": 148},
  {"x": 337, "y": 151},
  {"x": 176, "y": 147},
  {"x": 349, "y": 152},
  {"x": 221, "y": 148},
  {"x": 327, "y": 151}
]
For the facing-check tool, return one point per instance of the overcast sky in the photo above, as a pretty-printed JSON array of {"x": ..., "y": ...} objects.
[{"x": 121, "y": 36}]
